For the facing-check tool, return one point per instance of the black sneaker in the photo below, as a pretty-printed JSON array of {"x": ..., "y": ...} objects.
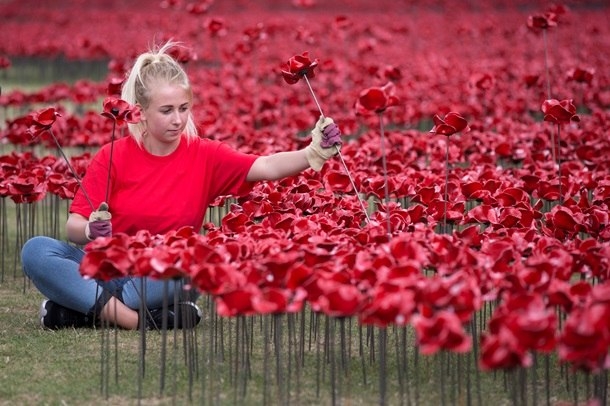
[
  {"x": 184, "y": 315},
  {"x": 54, "y": 316}
]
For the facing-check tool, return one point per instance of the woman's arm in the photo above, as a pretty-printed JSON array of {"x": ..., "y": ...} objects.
[
  {"x": 278, "y": 166},
  {"x": 75, "y": 229},
  {"x": 325, "y": 143}
]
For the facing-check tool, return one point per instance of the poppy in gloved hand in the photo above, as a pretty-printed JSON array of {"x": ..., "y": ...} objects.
[
  {"x": 298, "y": 67},
  {"x": 42, "y": 121},
  {"x": 120, "y": 111}
]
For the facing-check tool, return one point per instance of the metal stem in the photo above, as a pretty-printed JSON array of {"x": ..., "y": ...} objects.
[
  {"x": 445, "y": 229},
  {"x": 385, "y": 176},
  {"x": 61, "y": 151},
  {"x": 313, "y": 94},
  {"x": 110, "y": 161},
  {"x": 366, "y": 215},
  {"x": 546, "y": 66}
]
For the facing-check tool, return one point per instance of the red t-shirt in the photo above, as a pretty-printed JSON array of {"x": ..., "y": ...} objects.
[{"x": 162, "y": 193}]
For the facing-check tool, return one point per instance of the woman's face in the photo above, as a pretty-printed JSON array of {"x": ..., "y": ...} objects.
[{"x": 165, "y": 117}]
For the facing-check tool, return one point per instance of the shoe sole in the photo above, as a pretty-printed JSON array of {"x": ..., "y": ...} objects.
[{"x": 42, "y": 314}]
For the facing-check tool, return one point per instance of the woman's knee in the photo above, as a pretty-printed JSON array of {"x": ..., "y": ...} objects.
[
  {"x": 32, "y": 249},
  {"x": 34, "y": 252}
]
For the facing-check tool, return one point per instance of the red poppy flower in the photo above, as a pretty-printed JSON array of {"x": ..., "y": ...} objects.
[
  {"x": 114, "y": 86},
  {"x": 304, "y": 3},
  {"x": 42, "y": 121},
  {"x": 106, "y": 264},
  {"x": 441, "y": 331},
  {"x": 235, "y": 303},
  {"x": 481, "y": 81},
  {"x": 559, "y": 112},
  {"x": 452, "y": 123},
  {"x": 299, "y": 66},
  {"x": 26, "y": 187},
  {"x": 533, "y": 324},
  {"x": 337, "y": 299},
  {"x": 278, "y": 301},
  {"x": 4, "y": 62},
  {"x": 502, "y": 351},
  {"x": 376, "y": 99},
  {"x": 531, "y": 80},
  {"x": 215, "y": 27},
  {"x": 159, "y": 263},
  {"x": 198, "y": 8},
  {"x": 120, "y": 111},
  {"x": 392, "y": 73},
  {"x": 581, "y": 75},
  {"x": 584, "y": 340},
  {"x": 62, "y": 186},
  {"x": 542, "y": 21},
  {"x": 389, "y": 305}
]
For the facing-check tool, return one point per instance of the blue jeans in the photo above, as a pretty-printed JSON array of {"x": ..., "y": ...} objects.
[{"x": 53, "y": 267}]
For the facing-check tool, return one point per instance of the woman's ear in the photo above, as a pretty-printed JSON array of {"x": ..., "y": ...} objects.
[{"x": 142, "y": 113}]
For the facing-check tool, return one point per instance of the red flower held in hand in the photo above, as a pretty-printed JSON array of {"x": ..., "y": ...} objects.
[
  {"x": 299, "y": 66},
  {"x": 376, "y": 99},
  {"x": 451, "y": 124},
  {"x": 120, "y": 111},
  {"x": 559, "y": 111},
  {"x": 42, "y": 121}
]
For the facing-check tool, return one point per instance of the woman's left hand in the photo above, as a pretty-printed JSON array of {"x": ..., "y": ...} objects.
[{"x": 325, "y": 143}]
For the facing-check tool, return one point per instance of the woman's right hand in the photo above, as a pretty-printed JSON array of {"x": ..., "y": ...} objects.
[{"x": 99, "y": 224}]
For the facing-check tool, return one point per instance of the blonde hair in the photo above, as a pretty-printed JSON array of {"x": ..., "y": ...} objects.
[{"x": 149, "y": 67}]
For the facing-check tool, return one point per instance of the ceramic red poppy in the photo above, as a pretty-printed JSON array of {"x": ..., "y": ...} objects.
[
  {"x": 215, "y": 27},
  {"x": 120, "y": 111},
  {"x": 115, "y": 85},
  {"x": 5, "y": 62},
  {"x": 441, "y": 331},
  {"x": 584, "y": 339},
  {"x": 299, "y": 66},
  {"x": 106, "y": 265},
  {"x": 451, "y": 124},
  {"x": 62, "y": 186},
  {"x": 42, "y": 121},
  {"x": 376, "y": 99},
  {"x": 389, "y": 305},
  {"x": 26, "y": 187},
  {"x": 482, "y": 81},
  {"x": 581, "y": 75},
  {"x": 501, "y": 351},
  {"x": 542, "y": 21},
  {"x": 559, "y": 112}
]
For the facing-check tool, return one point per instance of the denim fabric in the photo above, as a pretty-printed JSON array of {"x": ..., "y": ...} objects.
[{"x": 53, "y": 267}]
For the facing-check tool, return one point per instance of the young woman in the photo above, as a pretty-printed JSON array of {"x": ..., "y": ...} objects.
[{"x": 162, "y": 177}]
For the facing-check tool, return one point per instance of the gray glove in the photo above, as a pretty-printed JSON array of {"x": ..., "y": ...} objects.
[
  {"x": 325, "y": 143},
  {"x": 99, "y": 224}
]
